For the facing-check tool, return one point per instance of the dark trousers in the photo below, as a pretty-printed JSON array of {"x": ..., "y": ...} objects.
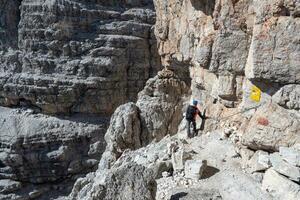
[{"x": 189, "y": 128}]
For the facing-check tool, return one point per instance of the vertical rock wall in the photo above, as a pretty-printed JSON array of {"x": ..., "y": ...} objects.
[
  {"x": 76, "y": 61},
  {"x": 9, "y": 20},
  {"x": 241, "y": 54},
  {"x": 232, "y": 45},
  {"x": 76, "y": 56}
]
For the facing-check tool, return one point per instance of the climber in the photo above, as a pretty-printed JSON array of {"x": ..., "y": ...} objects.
[{"x": 191, "y": 114}]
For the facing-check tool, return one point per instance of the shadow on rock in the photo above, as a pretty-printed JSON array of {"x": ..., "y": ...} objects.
[
  {"x": 206, "y": 6},
  {"x": 178, "y": 196},
  {"x": 209, "y": 172}
]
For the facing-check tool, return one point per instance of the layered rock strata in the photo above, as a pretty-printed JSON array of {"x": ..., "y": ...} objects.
[
  {"x": 36, "y": 149},
  {"x": 240, "y": 54},
  {"x": 76, "y": 56},
  {"x": 65, "y": 66},
  {"x": 231, "y": 44}
]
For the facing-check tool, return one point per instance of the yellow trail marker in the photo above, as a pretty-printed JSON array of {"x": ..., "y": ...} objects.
[{"x": 255, "y": 94}]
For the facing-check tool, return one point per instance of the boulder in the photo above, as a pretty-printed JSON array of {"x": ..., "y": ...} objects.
[
  {"x": 284, "y": 168},
  {"x": 237, "y": 185},
  {"x": 128, "y": 181},
  {"x": 161, "y": 104},
  {"x": 288, "y": 96},
  {"x": 194, "y": 169},
  {"x": 155, "y": 115},
  {"x": 291, "y": 155},
  {"x": 271, "y": 127},
  {"x": 124, "y": 132},
  {"x": 279, "y": 186},
  {"x": 246, "y": 155},
  {"x": 259, "y": 162},
  {"x": 178, "y": 160},
  {"x": 131, "y": 181}
]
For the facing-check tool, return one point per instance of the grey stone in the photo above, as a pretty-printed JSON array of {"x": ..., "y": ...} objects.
[
  {"x": 288, "y": 96},
  {"x": 258, "y": 176},
  {"x": 246, "y": 155},
  {"x": 274, "y": 54},
  {"x": 280, "y": 128},
  {"x": 290, "y": 155},
  {"x": 240, "y": 186},
  {"x": 279, "y": 186},
  {"x": 129, "y": 181},
  {"x": 70, "y": 59},
  {"x": 38, "y": 149},
  {"x": 284, "y": 168},
  {"x": 260, "y": 161},
  {"x": 229, "y": 52},
  {"x": 161, "y": 104},
  {"x": 178, "y": 162},
  {"x": 94, "y": 51},
  {"x": 226, "y": 88},
  {"x": 7, "y": 186},
  {"x": 194, "y": 168},
  {"x": 123, "y": 133},
  {"x": 131, "y": 176},
  {"x": 35, "y": 194},
  {"x": 9, "y": 19}
]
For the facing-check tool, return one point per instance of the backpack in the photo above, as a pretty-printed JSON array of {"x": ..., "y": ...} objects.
[{"x": 191, "y": 112}]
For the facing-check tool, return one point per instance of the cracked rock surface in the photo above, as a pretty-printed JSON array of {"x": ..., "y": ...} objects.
[
  {"x": 76, "y": 56},
  {"x": 93, "y": 95}
]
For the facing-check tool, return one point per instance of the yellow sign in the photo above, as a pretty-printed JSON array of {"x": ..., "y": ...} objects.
[{"x": 255, "y": 93}]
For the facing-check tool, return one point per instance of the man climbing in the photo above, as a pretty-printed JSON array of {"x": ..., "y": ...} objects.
[{"x": 191, "y": 114}]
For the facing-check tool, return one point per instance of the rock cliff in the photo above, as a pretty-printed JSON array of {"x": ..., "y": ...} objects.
[
  {"x": 65, "y": 66},
  {"x": 68, "y": 66},
  {"x": 76, "y": 56},
  {"x": 233, "y": 49}
]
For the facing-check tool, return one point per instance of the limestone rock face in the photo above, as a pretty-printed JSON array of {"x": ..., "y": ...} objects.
[
  {"x": 274, "y": 52},
  {"x": 229, "y": 44},
  {"x": 9, "y": 19},
  {"x": 161, "y": 104},
  {"x": 132, "y": 176},
  {"x": 129, "y": 181},
  {"x": 76, "y": 56},
  {"x": 288, "y": 96},
  {"x": 155, "y": 115},
  {"x": 271, "y": 127},
  {"x": 38, "y": 149},
  {"x": 124, "y": 133},
  {"x": 65, "y": 66}
]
